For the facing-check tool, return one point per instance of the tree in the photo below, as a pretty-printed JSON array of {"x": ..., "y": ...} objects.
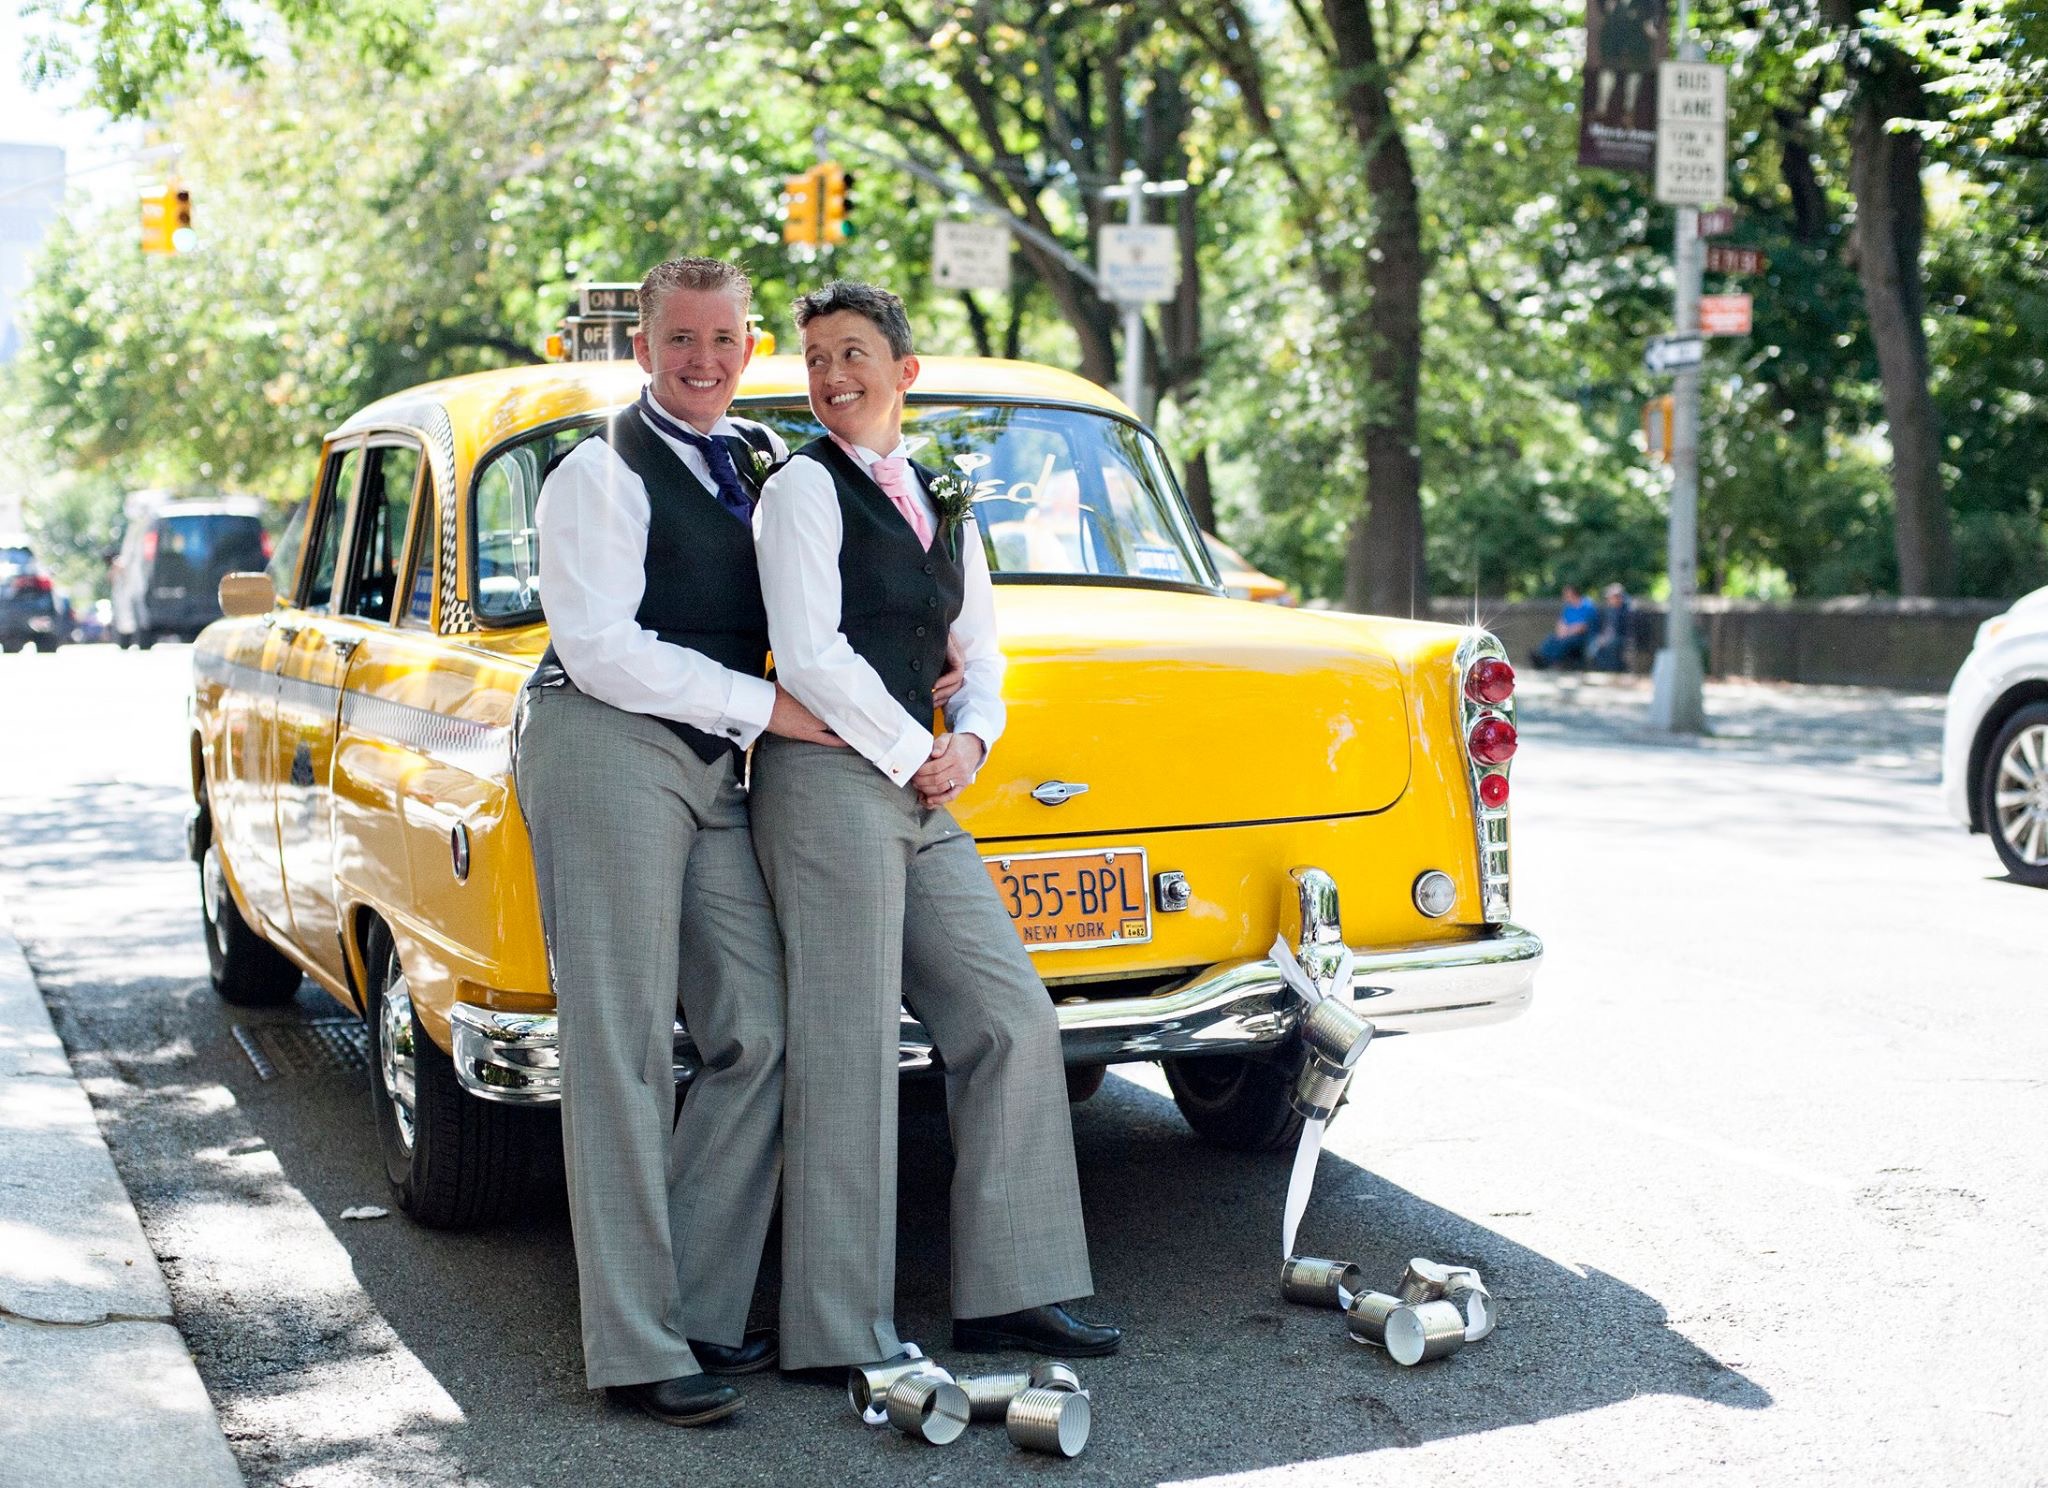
[{"x": 1891, "y": 213}]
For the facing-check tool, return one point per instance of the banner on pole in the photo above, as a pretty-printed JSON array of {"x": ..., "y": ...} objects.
[{"x": 1625, "y": 40}]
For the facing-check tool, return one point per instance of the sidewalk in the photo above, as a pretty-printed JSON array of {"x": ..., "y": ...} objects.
[
  {"x": 99, "y": 1389},
  {"x": 1866, "y": 727}
]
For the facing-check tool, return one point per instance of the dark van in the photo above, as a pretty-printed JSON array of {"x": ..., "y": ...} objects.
[{"x": 166, "y": 581}]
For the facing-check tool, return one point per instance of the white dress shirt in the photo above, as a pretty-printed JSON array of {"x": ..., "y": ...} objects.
[
  {"x": 797, "y": 532},
  {"x": 593, "y": 518}
]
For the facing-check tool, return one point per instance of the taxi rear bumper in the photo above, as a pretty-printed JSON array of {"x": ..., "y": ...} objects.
[{"x": 1240, "y": 1007}]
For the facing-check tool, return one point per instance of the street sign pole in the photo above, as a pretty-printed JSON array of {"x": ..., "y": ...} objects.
[
  {"x": 1134, "y": 313},
  {"x": 1677, "y": 703}
]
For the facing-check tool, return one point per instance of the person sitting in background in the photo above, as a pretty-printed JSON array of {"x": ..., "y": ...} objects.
[
  {"x": 1566, "y": 643},
  {"x": 1608, "y": 649}
]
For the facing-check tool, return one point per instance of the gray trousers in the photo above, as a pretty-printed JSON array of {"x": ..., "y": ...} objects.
[
  {"x": 651, "y": 899},
  {"x": 882, "y": 902}
]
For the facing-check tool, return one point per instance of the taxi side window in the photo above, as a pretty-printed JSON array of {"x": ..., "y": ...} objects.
[
  {"x": 328, "y": 513},
  {"x": 419, "y": 604},
  {"x": 382, "y": 512},
  {"x": 507, "y": 551}
]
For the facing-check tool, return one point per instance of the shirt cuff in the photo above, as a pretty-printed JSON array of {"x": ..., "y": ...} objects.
[
  {"x": 747, "y": 709},
  {"x": 902, "y": 759}
]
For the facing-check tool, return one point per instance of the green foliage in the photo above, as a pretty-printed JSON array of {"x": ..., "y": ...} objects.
[{"x": 385, "y": 195}]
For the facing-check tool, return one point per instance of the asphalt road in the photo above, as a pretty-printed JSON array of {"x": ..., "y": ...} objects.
[{"x": 1759, "y": 1180}]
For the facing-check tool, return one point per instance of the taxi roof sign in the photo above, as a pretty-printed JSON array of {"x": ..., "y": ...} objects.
[{"x": 608, "y": 300}]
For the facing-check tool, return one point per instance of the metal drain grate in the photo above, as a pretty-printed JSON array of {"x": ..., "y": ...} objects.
[{"x": 322, "y": 1046}]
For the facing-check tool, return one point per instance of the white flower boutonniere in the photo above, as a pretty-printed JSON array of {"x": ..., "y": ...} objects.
[
  {"x": 952, "y": 498},
  {"x": 759, "y": 463}
]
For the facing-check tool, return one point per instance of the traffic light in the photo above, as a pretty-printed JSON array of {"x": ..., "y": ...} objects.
[
  {"x": 167, "y": 220},
  {"x": 800, "y": 208},
  {"x": 1658, "y": 416},
  {"x": 836, "y": 188}
]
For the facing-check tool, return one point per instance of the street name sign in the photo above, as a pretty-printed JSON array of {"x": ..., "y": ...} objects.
[
  {"x": 1692, "y": 133},
  {"x": 1717, "y": 223},
  {"x": 1735, "y": 260},
  {"x": 1724, "y": 315},
  {"x": 1138, "y": 265},
  {"x": 1674, "y": 353},
  {"x": 970, "y": 255}
]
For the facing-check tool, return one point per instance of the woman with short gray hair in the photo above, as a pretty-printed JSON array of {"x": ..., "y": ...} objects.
[{"x": 867, "y": 562}]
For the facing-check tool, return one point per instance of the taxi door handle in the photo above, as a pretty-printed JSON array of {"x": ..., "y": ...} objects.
[
  {"x": 345, "y": 646},
  {"x": 289, "y": 632}
]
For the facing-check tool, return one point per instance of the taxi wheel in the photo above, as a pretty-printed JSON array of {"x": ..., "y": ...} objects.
[
  {"x": 1234, "y": 1101},
  {"x": 453, "y": 1161},
  {"x": 247, "y": 970},
  {"x": 2013, "y": 795}
]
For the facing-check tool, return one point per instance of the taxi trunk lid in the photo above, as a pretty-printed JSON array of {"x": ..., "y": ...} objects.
[{"x": 1178, "y": 710}]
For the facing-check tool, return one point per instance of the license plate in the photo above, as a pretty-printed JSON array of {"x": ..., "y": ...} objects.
[{"x": 1064, "y": 901}]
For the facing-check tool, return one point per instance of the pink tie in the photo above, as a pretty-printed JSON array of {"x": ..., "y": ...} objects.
[{"x": 893, "y": 476}]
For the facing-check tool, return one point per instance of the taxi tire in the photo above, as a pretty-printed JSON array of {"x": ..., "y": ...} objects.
[
  {"x": 246, "y": 970},
  {"x": 1235, "y": 1102},
  {"x": 468, "y": 1159}
]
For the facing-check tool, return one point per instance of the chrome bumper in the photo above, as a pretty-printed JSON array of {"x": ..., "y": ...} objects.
[{"x": 1240, "y": 1007}]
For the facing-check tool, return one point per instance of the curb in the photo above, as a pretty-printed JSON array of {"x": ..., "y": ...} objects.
[{"x": 101, "y": 1391}]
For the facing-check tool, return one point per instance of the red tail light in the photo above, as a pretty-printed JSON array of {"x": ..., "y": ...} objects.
[
  {"x": 1493, "y": 790},
  {"x": 1491, "y": 680},
  {"x": 149, "y": 546},
  {"x": 268, "y": 546},
  {"x": 1492, "y": 741}
]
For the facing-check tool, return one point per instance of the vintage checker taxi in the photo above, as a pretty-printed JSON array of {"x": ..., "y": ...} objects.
[{"x": 1186, "y": 776}]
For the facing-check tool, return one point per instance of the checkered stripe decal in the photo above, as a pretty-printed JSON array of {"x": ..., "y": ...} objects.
[{"x": 456, "y": 616}]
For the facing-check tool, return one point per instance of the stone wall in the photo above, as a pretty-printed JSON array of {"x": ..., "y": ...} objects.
[{"x": 1905, "y": 643}]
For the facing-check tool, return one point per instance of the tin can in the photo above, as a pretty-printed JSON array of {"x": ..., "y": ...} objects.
[
  {"x": 1366, "y": 1318},
  {"x": 1054, "y": 1374},
  {"x": 1335, "y": 1030},
  {"x": 1051, "y": 1421},
  {"x": 1424, "y": 1330},
  {"x": 1424, "y": 1281},
  {"x": 1318, "y": 1087},
  {"x": 927, "y": 1406},
  {"x": 867, "y": 1384},
  {"x": 1320, "y": 1283}
]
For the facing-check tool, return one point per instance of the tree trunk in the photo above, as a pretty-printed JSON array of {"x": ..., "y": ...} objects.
[
  {"x": 1891, "y": 215},
  {"x": 1383, "y": 567},
  {"x": 1201, "y": 496}
]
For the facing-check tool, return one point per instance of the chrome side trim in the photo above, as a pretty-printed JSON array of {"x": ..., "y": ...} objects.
[{"x": 1236, "y": 1008}]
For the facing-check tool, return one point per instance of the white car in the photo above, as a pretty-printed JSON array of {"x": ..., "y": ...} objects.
[{"x": 1994, "y": 742}]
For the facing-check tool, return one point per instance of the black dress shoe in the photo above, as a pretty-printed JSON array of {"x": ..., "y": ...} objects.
[
  {"x": 689, "y": 1400},
  {"x": 1050, "y": 1329},
  {"x": 755, "y": 1352}
]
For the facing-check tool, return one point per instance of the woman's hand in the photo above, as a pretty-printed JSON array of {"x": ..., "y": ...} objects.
[
  {"x": 950, "y": 770},
  {"x": 954, "y": 677},
  {"x": 792, "y": 720}
]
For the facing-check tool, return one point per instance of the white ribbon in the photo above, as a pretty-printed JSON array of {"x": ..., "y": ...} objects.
[{"x": 1311, "y": 1146}]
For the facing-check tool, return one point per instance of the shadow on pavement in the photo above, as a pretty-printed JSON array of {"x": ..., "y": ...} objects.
[{"x": 385, "y": 1352}]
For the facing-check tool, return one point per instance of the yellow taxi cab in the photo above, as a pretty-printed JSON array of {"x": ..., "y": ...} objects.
[
  {"x": 1241, "y": 578},
  {"x": 1185, "y": 776}
]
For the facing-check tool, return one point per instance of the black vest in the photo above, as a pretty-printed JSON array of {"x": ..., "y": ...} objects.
[
  {"x": 703, "y": 588},
  {"x": 896, "y": 600}
]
